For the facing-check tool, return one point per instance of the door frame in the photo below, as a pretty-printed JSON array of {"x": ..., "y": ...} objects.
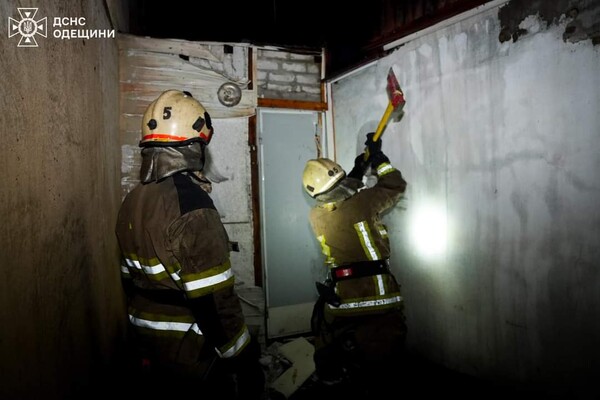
[{"x": 292, "y": 319}]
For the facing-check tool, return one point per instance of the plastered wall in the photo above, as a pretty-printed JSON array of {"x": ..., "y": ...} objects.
[
  {"x": 62, "y": 314},
  {"x": 497, "y": 241}
]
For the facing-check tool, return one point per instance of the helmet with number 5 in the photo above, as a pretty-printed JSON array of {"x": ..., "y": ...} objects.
[
  {"x": 175, "y": 118},
  {"x": 320, "y": 175}
]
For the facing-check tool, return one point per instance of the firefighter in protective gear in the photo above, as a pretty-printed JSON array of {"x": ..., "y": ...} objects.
[
  {"x": 186, "y": 321},
  {"x": 358, "y": 321}
]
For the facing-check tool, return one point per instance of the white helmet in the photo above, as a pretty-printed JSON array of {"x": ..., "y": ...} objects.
[
  {"x": 320, "y": 175},
  {"x": 175, "y": 118}
]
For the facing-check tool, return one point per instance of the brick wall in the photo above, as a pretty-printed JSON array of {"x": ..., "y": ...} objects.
[{"x": 290, "y": 76}]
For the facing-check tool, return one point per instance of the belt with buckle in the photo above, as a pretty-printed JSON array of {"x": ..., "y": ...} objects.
[{"x": 359, "y": 270}]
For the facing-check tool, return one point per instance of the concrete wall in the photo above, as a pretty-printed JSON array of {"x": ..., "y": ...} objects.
[
  {"x": 62, "y": 314},
  {"x": 497, "y": 242}
]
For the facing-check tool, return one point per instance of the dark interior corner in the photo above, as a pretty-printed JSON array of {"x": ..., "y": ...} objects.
[{"x": 351, "y": 36}]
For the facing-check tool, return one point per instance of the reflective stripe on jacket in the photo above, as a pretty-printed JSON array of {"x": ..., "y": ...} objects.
[
  {"x": 172, "y": 238},
  {"x": 351, "y": 231}
]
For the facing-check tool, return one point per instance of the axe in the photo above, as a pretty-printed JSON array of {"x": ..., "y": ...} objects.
[{"x": 395, "y": 104}]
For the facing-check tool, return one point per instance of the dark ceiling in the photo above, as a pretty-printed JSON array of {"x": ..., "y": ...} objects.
[{"x": 352, "y": 33}]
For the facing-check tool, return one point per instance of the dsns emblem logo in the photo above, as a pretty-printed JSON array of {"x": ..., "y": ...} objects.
[{"x": 27, "y": 27}]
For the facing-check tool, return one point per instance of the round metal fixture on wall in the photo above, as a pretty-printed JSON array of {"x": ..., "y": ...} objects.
[{"x": 229, "y": 94}]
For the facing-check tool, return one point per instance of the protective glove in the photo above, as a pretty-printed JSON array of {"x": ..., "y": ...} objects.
[
  {"x": 372, "y": 147},
  {"x": 377, "y": 159},
  {"x": 360, "y": 167}
]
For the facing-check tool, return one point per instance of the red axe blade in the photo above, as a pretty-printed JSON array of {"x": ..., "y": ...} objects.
[{"x": 395, "y": 104}]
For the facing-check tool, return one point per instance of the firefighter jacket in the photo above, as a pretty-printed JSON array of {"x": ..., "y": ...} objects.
[
  {"x": 175, "y": 253},
  {"x": 351, "y": 232}
]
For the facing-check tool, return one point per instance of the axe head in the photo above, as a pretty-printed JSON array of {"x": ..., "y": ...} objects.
[
  {"x": 395, "y": 105},
  {"x": 394, "y": 92}
]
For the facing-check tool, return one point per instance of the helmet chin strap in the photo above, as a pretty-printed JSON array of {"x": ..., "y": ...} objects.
[{"x": 161, "y": 162}]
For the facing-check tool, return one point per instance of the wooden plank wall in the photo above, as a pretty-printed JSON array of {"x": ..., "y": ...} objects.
[{"x": 149, "y": 66}]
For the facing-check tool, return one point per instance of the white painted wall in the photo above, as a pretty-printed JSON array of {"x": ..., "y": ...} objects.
[{"x": 503, "y": 140}]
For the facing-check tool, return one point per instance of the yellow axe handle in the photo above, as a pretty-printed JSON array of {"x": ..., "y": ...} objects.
[{"x": 382, "y": 123}]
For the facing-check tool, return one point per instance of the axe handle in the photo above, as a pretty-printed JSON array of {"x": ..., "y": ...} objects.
[{"x": 382, "y": 123}]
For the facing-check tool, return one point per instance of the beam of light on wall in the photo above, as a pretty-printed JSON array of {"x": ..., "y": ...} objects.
[{"x": 429, "y": 228}]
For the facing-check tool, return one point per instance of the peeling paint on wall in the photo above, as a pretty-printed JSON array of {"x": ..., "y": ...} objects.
[
  {"x": 504, "y": 138},
  {"x": 582, "y": 18}
]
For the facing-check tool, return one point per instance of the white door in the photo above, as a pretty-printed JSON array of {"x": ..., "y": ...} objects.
[{"x": 291, "y": 255}]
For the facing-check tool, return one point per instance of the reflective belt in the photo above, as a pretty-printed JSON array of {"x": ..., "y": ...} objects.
[
  {"x": 360, "y": 269},
  {"x": 383, "y": 302}
]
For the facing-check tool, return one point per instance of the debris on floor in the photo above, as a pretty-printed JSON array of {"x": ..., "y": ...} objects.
[{"x": 288, "y": 365}]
